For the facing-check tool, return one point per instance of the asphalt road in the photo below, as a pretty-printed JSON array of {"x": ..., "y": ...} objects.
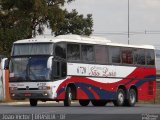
[{"x": 76, "y": 112}]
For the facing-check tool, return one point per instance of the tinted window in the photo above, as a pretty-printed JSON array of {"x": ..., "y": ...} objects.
[
  {"x": 150, "y": 57},
  {"x": 59, "y": 69},
  {"x": 60, "y": 50},
  {"x": 100, "y": 54},
  {"x": 56, "y": 69},
  {"x": 33, "y": 68},
  {"x": 139, "y": 56},
  {"x": 127, "y": 56},
  {"x": 114, "y": 55},
  {"x": 87, "y": 53},
  {"x": 38, "y": 69},
  {"x": 63, "y": 69},
  {"x": 73, "y": 52},
  {"x": 33, "y": 49}
]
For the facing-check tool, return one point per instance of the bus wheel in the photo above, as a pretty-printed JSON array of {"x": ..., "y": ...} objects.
[
  {"x": 120, "y": 98},
  {"x": 84, "y": 102},
  {"x": 132, "y": 97},
  {"x": 33, "y": 102},
  {"x": 99, "y": 102},
  {"x": 68, "y": 97}
]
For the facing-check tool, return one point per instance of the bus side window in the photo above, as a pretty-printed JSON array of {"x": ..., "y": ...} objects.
[
  {"x": 56, "y": 69},
  {"x": 114, "y": 55},
  {"x": 63, "y": 69},
  {"x": 150, "y": 57},
  {"x": 73, "y": 52},
  {"x": 139, "y": 56},
  {"x": 60, "y": 50},
  {"x": 87, "y": 53},
  {"x": 100, "y": 54},
  {"x": 59, "y": 69},
  {"x": 127, "y": 56}
]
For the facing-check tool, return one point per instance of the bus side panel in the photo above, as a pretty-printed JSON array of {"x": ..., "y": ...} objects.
[
  {"x": 88, "y": 89},
  {"x": 147, "y": 85},
  {"x": 61, "y": 96},
  {"x": 81, "y": 95},
  {"x": 104, "y": 89},
  {"x": 147, "y": 91}
]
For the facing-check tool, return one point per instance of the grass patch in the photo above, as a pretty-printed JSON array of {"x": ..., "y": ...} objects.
[
  {"x": 7, "y": 101},
  {"x": 158, "y": 96}
]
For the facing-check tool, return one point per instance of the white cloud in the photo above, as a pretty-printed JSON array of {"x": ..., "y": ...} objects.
[{"x": 152, "y": 3}]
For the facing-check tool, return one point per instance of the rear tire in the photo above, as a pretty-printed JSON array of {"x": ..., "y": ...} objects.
[
  {"x": 68, "y": 97},
  {"x": 132, "y": 96},
  {"x": 99, "y": 102},
  {"x": 84, "y": 102},
  {"x": 120, "y": 100},
  {"x": 33, "y": 102}
]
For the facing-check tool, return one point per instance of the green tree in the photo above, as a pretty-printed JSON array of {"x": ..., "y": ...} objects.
[
  {"x": 74, "y": 23},
  {"x": 21, "y": 19}
]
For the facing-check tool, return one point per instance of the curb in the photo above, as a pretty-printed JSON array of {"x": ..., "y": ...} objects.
[{"x": 26, "y": 103}]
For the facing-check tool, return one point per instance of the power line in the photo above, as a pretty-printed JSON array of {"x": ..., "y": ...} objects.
[
  {"x": 126, "y": 33},
  {"x": 128, "y": 24}
]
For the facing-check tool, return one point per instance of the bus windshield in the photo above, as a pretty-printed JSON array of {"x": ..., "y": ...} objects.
[
  {"x": 32, "y": 68},
  {"x": 32, "y": 49}
]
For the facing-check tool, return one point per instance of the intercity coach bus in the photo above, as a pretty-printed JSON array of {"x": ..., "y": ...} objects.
[{"x": 87, "y": 69}]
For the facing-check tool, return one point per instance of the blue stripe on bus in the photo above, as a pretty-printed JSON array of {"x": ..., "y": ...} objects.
[
  {"x": 84, "y": 87},
  {"x": 60, "y": 91},
  {"x": 146, "y": 79},
  {"x": 103, "y": 94}
]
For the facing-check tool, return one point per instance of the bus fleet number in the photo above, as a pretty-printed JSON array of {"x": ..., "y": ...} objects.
[{"x": 41, "y": 84}]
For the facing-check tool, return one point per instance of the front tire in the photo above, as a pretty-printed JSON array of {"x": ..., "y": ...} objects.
[
  {"x": 120, "y": 100},
  {"x": 84, "y": 102},
  {"x": 68, "y": 97},
  {"x": 33, "y": 102}
]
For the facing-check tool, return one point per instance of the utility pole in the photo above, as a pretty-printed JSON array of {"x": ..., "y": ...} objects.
[{"x": 128, "y": 22}]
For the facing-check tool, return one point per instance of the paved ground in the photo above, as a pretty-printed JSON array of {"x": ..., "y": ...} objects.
[{"x": 109, "y": 112}]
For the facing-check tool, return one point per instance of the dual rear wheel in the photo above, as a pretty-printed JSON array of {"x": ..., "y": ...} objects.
[{"x": 122, "y": 100}]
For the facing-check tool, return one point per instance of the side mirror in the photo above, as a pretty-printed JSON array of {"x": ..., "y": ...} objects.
[
  {"x": 5, "y": 64},
  {"x": 49, "y": 62}
]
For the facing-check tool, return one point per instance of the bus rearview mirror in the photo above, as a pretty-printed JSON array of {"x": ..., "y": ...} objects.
[{"x": 5, "y": 64}]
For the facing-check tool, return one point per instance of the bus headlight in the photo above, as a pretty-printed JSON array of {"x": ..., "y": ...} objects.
[
  {"x": 12, "y": 94},
  {"x": 13, "y": 88},
  {"x": 44, "y": 87}
]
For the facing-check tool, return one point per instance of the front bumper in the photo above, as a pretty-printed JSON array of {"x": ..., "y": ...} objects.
[{"x": 32, "y": 94}]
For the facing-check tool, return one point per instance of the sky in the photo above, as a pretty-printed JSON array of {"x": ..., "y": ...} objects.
[{"x": 110, "y": 19}]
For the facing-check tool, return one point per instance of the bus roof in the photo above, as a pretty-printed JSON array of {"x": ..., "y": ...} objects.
[{"x": 78, "y": 39}]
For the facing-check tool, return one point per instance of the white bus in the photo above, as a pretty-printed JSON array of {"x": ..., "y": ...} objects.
[{"x": 88, "y": 69}]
